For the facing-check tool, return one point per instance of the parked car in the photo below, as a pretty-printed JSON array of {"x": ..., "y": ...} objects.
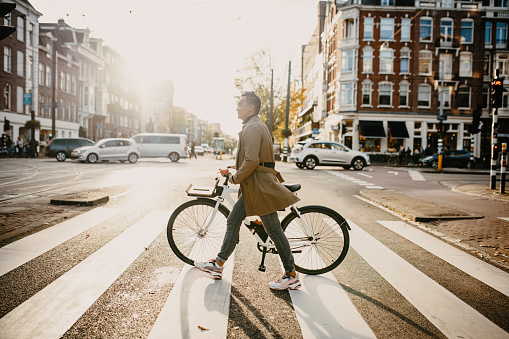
[
  {"x": 312, "y": 153},
  {"x": 206, "y": 147},
  {"x": 452, "y": 158},
  {"x": 109, "y": 149},
  {"x": 199, "y": 150},
  {"x": 61, "y": 148},
  {"x": 173, "y": 146}
]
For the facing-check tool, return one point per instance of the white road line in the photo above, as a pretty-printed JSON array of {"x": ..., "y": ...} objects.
[
  {"x": 196, "y": 300},
  {"x": 504, "y": 218},
  {"x": 324, "y": 310},
  {"x": 454, "y": 318},
  {"x": 375, "y": 187},
  {"x": 416, "y": 175},
  {"x": 54, "y": 309},
  {"x": 28, "y": 248},
  {"x": 366, "y": 175},
  {"x": 476, "y": 268}
]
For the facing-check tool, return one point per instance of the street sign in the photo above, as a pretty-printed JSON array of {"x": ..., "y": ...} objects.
[
  {"x": 99, "y": 126},
  {"x": 27, "y": 98},
  {"x": 315, "y": 130},
  {"x": 441, "y": 117}
]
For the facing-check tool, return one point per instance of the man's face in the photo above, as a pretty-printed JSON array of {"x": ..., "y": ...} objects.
[{"x": 244, "y": 110}]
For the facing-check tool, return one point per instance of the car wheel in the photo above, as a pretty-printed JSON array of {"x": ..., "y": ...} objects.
[
  {"x": 174, "y": 157},
  {"x": 299, "y": 165},
  {"x": 61, "y": 156},
  {"x": 310, "y": 162},
  {"x": 358, "y": 164},
  {"x": 92, "y": 158},
  {"x": 434, "y": 164},
  {"x": 133, "y": 158}
]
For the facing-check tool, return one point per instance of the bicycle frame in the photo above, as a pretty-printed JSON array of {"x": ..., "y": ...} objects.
[{"x": 226, "y": 192}]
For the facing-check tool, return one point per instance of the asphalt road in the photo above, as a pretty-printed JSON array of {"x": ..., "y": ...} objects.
[{"x": 113, "y": 275}]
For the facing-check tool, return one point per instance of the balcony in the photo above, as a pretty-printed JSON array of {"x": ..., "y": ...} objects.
[{"x": 449, "y": 44}]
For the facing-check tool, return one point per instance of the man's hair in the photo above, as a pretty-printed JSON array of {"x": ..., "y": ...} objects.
[{"x": 253, "y": 99}]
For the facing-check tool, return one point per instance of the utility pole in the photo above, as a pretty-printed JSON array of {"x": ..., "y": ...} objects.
[
  {"x": 285, "y": 151},
  {"x": 32, "y": 108},
  {"x": 53, "y": 87},
  {"x": 497, "y": 90},
  {"x": 441, "y": 119},
  {"x": 271, "y": 102}
]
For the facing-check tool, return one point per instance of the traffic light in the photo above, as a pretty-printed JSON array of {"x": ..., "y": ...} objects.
[
  {"x": 7, "y": 125},
  {"x": 497, "y": 92},
  {"x": 495, "y": 152},
  {"x": 6, "y": 8}
]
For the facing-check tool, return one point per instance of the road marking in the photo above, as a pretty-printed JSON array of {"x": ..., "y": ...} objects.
[
  {"x": 469, "y": 264},
  {"x": 54, "y": 309},
  {"x": 366, "y": 175},
  {"x": 504, "y": 218},
  {"x": 454, "y": 318},
  {"x": 416, "y": 175},
  {"x": 28, "y": 248},
  {"x": 375, "y": 187},
  {"x": 356, "y": 180},
  {"x": 324, "y": 309},
  {"x": 392, "y": 172},
  {"x": 195, "y": 300}
]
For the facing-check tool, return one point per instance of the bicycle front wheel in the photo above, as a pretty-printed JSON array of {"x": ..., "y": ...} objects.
[
  {"x": 331, "y": 234},
  {"x": 189, "y": 237}
]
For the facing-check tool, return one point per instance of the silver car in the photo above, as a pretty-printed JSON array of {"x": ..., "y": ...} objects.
[
  {"x": 109, "y": 149},
  {"x": 327, "y": 153}
]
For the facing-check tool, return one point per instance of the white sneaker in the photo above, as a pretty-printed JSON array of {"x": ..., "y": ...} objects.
[
  {"x": 211, "y": 268},
  {"x": 286, "y": 282}
]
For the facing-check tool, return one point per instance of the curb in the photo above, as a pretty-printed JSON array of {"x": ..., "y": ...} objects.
[{"x": 81, "y": 199}]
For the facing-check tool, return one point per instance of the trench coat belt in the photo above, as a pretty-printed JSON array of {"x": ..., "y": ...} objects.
[
  {"x": 268, "y": 164},
  {"x": 270, "y": 170}
]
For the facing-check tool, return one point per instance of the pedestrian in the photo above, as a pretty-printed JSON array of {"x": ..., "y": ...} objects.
[
  {"x": 19, "y": 146},
  {"x": 261, "y": 193},
  {"x": 193, "y": 152}
]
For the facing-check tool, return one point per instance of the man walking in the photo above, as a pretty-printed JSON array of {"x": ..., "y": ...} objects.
[{"x": 260, "y": 194}]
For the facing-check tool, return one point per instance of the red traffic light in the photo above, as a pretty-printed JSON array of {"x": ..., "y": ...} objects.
[{"x": 6, "y": 8}]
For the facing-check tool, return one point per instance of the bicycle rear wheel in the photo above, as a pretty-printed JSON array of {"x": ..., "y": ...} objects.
[
  {"x": 332, "y": 239},
  {"x": 186, "y": 234}
]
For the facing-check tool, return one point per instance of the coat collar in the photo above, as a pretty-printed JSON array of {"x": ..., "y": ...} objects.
[{"x": 249, "y": 119}]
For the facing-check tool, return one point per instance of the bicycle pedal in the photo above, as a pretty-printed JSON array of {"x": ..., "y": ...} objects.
[
  {"x": 261, "y": 268},
  {"x": 298, "y": 251}
]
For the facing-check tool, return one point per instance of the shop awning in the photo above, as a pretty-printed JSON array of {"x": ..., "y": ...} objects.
[
  {"x": 398, "y": 129},
  {"x": 372, "y": 129}
]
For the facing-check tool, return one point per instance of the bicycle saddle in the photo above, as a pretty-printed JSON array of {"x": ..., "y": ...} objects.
[{"x": 293, "y": 187}]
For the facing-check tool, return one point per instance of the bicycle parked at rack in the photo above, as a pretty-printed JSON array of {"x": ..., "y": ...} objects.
[{"x": 318, "y": 235}]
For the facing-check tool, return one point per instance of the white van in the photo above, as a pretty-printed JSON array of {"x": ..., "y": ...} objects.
[{"x": 173, "y": 146}]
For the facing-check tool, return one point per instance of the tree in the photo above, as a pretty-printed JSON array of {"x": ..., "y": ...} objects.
[{"x": 255, "y": 77}]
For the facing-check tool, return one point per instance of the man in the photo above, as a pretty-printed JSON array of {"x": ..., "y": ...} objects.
[{"x": 260, "y": 194}]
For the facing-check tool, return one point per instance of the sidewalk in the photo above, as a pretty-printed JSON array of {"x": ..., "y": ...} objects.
[{"x": 486, "y": 237}]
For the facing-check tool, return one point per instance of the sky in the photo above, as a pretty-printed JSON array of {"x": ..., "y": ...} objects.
[{"x": 201, "y": 45}]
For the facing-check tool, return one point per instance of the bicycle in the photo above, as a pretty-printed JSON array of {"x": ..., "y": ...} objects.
[{"x": 318, "y": 235}]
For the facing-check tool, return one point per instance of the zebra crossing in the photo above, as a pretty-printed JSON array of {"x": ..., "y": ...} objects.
[{"x": 322, "y": 306}]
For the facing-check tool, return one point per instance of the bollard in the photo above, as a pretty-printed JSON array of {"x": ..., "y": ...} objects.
[
  {"x": 440, "y": 154},
  {"x": 220, "y": 155},
  {"x": 503, "y": 165}
]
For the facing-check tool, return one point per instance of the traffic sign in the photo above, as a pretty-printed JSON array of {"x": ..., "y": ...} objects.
[{"x": 27, "y": 98}]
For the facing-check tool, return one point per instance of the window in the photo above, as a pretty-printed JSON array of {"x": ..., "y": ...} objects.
[
  {"x": 501, "y": 34},
  {"x": 73, "y": 84},
  {"x": 62, "y": 81},
  {"x": 19, "y": 99},
  {"x": 463, "y": 97},
  {"x": 368, "y": 28},
  {"x": 486, "y": 64},
  {"x": 503, "y": 64},
  {"x": 386, "y": 61},
  {"x": 465, "y": 64},
  {"x": 445, "y": 66},
  {"x": 85, "y": 96},
  {"x": 7, "y": 59},
  {"x": 405, "y": 61},
  {"x": 386, "y": 29},
  {"x": 446, "y": 30},
  {"x": 68, "y": 83},
  {"x": 425, "y": 62},
  {"x": 366, "y": 94},
  {"x": 467, "y": 31},
  {"x": 347, "y": 60},
  {"x": 485, "y": 96},
  {"x": 20, "y": 63},
  {"x": 367, "y": 60},
  {"x": 445, "y": 93},
  {"x": 348, "y": 28},
  {"x": 21, "y": 29},
  {"x": 403, "y": 94},
  {"x": 7, "y": 97},
  {"x": 31, "y": 34},
  {"x": 346, "y": 94},
  {"x": 385, "y": 95},
  {"x": 405, "y": 29},
  {"x": 425, "y": 30},
  {"x": 487, "y": 33},
  {"x": 447, "y": 3},
  {"x": 500, "y": 3},
  {"x": 48, "y": 76},
  {"x": 41, "y": 74},
  {"x": 424, "y": 96},
  {"x": 388, "y": 2}
]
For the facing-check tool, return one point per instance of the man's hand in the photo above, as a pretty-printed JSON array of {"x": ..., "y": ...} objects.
[{"x": 231, "y": 180}]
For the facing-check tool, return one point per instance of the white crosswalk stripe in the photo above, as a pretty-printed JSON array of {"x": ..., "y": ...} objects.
[
  {"x": 416, "y": 175},
  {"x": 322, "y": 306},
  {"x": 54, "y": 309},
  {"x": 454, "y": 318},
  {"x": 356, "y": 180},
  {"x": 28, "y": 248}
]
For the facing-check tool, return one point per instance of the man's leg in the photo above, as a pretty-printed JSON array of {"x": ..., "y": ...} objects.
[
  {"x": 289, "y": 280},
  {"x": 215, "y": 266}
]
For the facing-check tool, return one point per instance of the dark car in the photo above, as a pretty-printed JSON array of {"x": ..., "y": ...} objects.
[
  {"x": 453, "y": 158},
  {"x": 61, "y": 148}
]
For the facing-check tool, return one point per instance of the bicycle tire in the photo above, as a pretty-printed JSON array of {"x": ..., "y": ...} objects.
[
  {"x": 392, "y": 162},
  {"x": 184, "y": 225},
  {"x": 333, "y": 240}
]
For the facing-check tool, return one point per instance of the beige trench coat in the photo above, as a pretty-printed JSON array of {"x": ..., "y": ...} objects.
[{"x": 262, "y": 192}]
